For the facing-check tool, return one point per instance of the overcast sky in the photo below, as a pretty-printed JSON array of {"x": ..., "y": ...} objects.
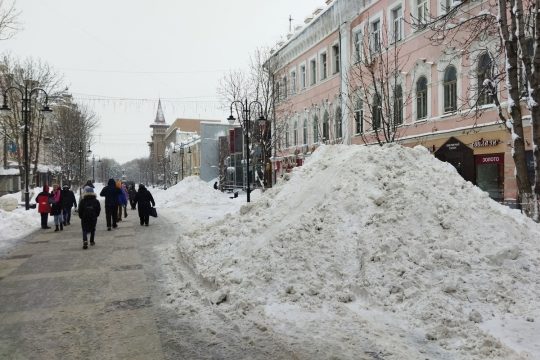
[{"x": 120, "y": 56}]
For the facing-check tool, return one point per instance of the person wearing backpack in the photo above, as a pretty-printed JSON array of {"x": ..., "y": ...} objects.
[
  {"x": 56, "y": 207},
  {"x": 110, "y": 192},
  {"x": 89, "y": 210}
]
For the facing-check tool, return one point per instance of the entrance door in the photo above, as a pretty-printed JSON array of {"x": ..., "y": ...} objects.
[
  {"x": 460, "y": 156},
  {"x": 490, "y": 175}
]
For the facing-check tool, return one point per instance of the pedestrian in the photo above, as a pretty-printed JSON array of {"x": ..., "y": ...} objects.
[
  {"x": 44, "y": 206},
  {"x": 89, "y": 183},
  {"x": 110, "y": 192},
  {"x": 56, "y": 207},
  {"x": 68, "y": 201},
  {"x": 126, "y": 198},
  {"x": 89, "y": 210},
  {"x": 143, "y": 200},
  {"x": 132, "y": 193},
  {"x": 121, "y": 201}
]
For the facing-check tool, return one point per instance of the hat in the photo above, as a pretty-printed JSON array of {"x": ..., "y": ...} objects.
[{"x": 88, "y": 189}]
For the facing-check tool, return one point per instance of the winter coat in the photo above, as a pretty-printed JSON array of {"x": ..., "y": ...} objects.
[
  {"x": 56, "y": 202},
  {"x": 68, "y": 199},
  {"x": 43, "y": 201},
  {"x": 122, "y": 198},
  {"x": 89, "y": 210},
  {"x": 132, "y": 193},
  {"x": 110, "y": 192},
  {"x": 143, "y": 199},
  {"x": 125, "y": 193}
]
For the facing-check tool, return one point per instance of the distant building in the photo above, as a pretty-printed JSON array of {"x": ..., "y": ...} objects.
[{"x": 157, "y": 144}]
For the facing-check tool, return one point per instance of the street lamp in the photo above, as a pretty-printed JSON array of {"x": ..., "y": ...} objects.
[
  {"x": 245, "y": 109},
  {"x": 181, "y": 159},
  {"x": 26, "y": 97}
]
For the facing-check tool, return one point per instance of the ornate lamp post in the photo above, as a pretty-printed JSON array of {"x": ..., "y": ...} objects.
[
  {"x": 181, "y": 159},
  {"x": 245, "y": 110},
  {"x": 26, "y": 110}
]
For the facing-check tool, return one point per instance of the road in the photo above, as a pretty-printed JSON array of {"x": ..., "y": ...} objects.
[{"x": 128, "y": 297}]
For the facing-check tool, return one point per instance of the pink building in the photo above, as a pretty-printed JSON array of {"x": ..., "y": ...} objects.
[{"x": 429, "y": 95}]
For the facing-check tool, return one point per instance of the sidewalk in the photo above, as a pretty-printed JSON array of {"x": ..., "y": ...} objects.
[{"x": 58, "y": 301}]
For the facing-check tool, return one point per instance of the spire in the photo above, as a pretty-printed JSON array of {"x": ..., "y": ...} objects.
[{"x": 160, "y": 118}]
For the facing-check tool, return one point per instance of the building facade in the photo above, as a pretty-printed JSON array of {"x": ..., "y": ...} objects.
[{"x": 430, "y": 95}]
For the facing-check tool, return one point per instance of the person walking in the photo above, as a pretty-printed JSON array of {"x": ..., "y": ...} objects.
[
  {"x": 44, "y": 206},
  {"x": 89, "y": 210},
  {"x": 56, "y": 207},
  {"x": 68, "y": 201},
  {"x": 132, "y": 193},
  {"x": 143, "y": 200},
  {"x": 89, "y": 183},
  {"x": 122, "y": 201},
  {"x": 126, "y": 198},
  {"x": 110, "y": 192}
]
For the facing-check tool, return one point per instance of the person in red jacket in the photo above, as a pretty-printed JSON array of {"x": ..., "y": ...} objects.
[{"x": 44, "y": 206}]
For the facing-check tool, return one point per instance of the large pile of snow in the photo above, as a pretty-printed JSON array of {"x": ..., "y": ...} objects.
[
  {"x": 377, "y": 250},
  {"x": 200, "y": 202}
]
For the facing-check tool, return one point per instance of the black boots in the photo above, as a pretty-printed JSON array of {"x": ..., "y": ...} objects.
[
  {"x": 61, "y": 226},
  {"x": 56, "y": 229},
  {"x": 85, "y": 245}
]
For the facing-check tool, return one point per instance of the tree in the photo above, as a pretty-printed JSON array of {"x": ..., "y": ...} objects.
[
  {"x": 33, "y": 74},
  {"x": 8, "y": 19},
  {"x": 377, "y": 92},
  {"x": 514, "y": 30}
]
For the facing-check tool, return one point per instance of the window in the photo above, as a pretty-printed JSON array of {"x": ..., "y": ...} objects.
[
  {"x": 397, "y": 23},
  {"x": 421, "y": 98},
  {"x": 339, "y": 124},
  {"x": 398, "y": 106},
  {"x": 484, "y": 73},
  {"x": 324, "y": 66},
  {"x": 358, "y": 46},
  {"x": 284, "y": 87},
  {"x": 325, "y": 127},
  {"x": 447, "y": 5},
  {"x": 377, "y": 112},
  {"x": 313, "y": 71},
  {"x": 295, "y": 133},
  {"x": 359, "y": 115},
  {"x": 335, "y": 58},
  {"x": 315, "y": 129},
  {"x": 422, "y": 11},
  {"x": 376, "y": 36},
  {"x": 287, "y": 135},
  {"x": 278, "y": 91},
  {"x": 304, "y": 132},
  {"x": 293, "y": 82},
  {"x": 303, "y": 76},
  {"x": 450, "y": 89}
]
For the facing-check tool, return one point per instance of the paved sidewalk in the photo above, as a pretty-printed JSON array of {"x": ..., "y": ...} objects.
[{"x": 58, "y": 301}]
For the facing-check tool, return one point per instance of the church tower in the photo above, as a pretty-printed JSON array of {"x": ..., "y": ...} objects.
[{"x": 157, "y": 145}]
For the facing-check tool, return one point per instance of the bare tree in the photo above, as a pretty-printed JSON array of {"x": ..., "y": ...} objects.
[
  {"x": 515, "y": 28},
  {"x": 377, "y": 93},
  {"x": 8, "y": 19},
  {"x": 27, "y": 74}
]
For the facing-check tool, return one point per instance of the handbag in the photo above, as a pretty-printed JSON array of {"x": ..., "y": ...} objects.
[{"x": 152, "y": 212}]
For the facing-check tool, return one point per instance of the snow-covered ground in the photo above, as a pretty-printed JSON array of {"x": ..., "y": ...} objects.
[{"x": 365, "y": 252}]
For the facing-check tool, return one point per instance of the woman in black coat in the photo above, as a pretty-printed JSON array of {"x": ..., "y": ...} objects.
[
  {"x": 143, "y": 200},
  {"x": 89, "y": 210}
]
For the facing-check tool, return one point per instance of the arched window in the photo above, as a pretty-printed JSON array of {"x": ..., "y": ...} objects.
[
  {"x": 485, "y": 72},
  {"x": 304, "y": 132},
  {"x": 325, "y": 127},
  {"x": 287, "y": 143},
  {"x": 398, "y": 106},
  {"x": 421, "y": 98},
  {"x": 377, "y": 112},
  {"x": 315, "y": 129},
  {"x": 450, "y": 89},
  {"x": 339, "y": 123},
  {"x": 295, "y": 133}
]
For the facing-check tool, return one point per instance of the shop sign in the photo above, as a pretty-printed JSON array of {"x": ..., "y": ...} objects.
[
  {"x": 452, "y": 146},
  {"x": 486, "y": 142},
  {"x": 490, "y": 159}
]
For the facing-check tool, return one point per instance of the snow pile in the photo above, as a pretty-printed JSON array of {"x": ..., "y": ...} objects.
[
  {"x": 18, "y": 223},
  {"x": 201, "y": 203},
  {"x": 370, "y": 250}
]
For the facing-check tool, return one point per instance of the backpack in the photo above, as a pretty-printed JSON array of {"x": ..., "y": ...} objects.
[{"x": 89, "y": 212}]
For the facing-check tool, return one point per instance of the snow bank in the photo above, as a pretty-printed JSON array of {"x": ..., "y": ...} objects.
[{"x": 377, "y": 250}]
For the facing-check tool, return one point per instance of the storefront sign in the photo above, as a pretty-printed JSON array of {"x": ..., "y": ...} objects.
[
  {"x": 452, "y": 146},
  {"x": 490, "y": 159},
  {"x": 486, "y": 143}
]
